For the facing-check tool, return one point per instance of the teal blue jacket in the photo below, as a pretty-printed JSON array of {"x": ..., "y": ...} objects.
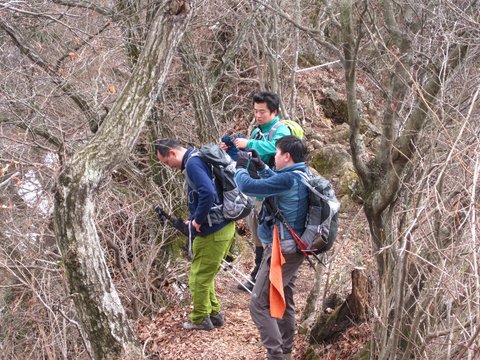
[{"x": 260, "y": 142}]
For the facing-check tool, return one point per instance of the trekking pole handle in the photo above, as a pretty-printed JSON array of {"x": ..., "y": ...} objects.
[{"x": 177, "y": 223}]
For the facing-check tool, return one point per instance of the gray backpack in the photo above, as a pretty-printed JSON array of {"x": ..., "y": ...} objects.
[
  {"x": 322, "y": 220},
  {"x": 231, "y": 204}
]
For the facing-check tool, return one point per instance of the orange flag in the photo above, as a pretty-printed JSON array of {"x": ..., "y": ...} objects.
[{"x": 277, "y": 297}]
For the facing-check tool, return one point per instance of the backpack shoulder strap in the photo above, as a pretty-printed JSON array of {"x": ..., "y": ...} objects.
[
  {"x": 187, "y": 178},
  {"x": 257, "y": 135},
  {"x": 220, "y": 176},
  {"x": 305, "y": 177},
  {"x": 274, "y": 128},
  {"x": 306, "y": 181}
]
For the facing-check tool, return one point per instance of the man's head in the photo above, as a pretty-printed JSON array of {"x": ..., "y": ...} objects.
[
  {"x": 290, "y": 150},
  {"x": 170, "y": 153},
  {"x": 266, "y": 106}
]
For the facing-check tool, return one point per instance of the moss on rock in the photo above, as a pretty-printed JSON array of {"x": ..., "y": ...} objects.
[{"x": 329, "y": 160}]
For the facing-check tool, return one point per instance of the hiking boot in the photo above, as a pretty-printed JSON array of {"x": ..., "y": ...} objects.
[
  {"x": 206, "y": 324},
  {"x": 217, "y": 319},
  {"x": 258, "y": 261},
  {"x": 246, "y": 285}
]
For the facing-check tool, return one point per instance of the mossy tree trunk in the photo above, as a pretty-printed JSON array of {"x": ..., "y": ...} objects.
[
  {"x": 353, "y": 310},
  {"x": 101, "y": 314}
]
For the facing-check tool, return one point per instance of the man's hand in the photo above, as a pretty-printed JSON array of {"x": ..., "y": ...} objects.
[
  {"x": 243, "y": 160},
  {"x": 241, "y": 143},
  {"x": 256, "y": 162},
  {"x": 196, "y": 226}
]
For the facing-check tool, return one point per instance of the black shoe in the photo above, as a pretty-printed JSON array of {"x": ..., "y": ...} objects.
[
  {"x": 217, "y": 319},
  {"x": 246, "y": 285},
  {"x": 206, "y": 324}
]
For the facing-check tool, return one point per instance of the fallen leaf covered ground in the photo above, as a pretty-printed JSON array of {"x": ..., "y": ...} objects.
[
  {"x": 163, "y": 338},
  {"x": 238, "y": 339}
]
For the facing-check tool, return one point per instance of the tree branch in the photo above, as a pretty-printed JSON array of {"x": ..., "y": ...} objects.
[
  {"x": 92, "y": 116},
  {"x": 349, "y": 63},
  {"x": 314, "y": 33},
  {"x": 87, "y": 5},
  {"x": 37, "y": 130},
  {"x": 404, "y": 147}
]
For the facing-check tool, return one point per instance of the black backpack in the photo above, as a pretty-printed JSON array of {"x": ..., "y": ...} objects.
[{"x": 231, "y": 204}]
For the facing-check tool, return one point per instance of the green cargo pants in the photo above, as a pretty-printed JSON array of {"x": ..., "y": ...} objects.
[{"x": 208, "y": 253}]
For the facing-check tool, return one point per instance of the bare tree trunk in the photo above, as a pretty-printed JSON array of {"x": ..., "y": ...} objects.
[
  {"x": 296, "y": 44},
  {"x": 201, "y": 90},
  {"x": 204, "y": 75},
  {"x": 266, "y": 34},
  {"x": 314, "y": 302},
  {"x": 101, "y": 313},
  {"x": 381, "y": 178}
]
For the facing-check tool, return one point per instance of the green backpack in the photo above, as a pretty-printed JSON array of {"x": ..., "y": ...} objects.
[{"x": 295, "y": 129}]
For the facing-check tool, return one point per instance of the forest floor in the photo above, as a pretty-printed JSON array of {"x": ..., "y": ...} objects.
[
  {"x": 237, "y": 339},
  {"x": 163, "y": 337}
]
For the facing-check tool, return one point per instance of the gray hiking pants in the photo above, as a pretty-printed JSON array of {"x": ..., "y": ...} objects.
[{"x": 277, "y": 334}]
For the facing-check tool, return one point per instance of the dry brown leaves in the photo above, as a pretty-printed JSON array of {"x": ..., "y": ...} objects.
[{"x": 164, "y": 338}]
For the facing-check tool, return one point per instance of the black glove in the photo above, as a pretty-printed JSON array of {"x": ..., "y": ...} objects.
[
  {"x": 243, "y": 160},
  {"x": 180, "y": 225},
  {"x": 256, "y": 162},
  {"x": 177, "y": 223}
]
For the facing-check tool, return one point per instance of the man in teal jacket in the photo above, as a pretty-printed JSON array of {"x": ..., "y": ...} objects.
[{"x": 262, "y": 139}]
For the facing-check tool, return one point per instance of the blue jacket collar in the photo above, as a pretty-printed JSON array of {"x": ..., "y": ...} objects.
[
  {"x": 186, "y": 157},
  {"x": 297, "y": 166}
]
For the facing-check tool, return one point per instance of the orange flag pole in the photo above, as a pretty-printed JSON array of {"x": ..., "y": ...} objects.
[{"x": 277, "y": 297}]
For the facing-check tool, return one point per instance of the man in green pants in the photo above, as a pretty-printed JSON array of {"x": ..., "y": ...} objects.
[{"x": 213, "y": 234}]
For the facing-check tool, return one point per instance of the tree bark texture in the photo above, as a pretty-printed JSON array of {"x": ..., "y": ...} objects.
[
  {"x": 312, "y": 306},
  {"x": 381, "y": 176},
  {"x": 201, "y": 90},
  {"x": 97, "y": 301},
  {"x": 204, "y": 76}
]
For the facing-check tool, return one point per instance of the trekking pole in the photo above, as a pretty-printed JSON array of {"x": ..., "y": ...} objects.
[
  {"x": 228, "y": 265},
  {"x": 227, "y": 268},
  {"x": 179, "y": 225},
  {"x": 186, "y": 230},
  {"x": 233, "y": 267},
  {"x": 302, "y": 246},
  {"x": 177, "y": 222}
]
